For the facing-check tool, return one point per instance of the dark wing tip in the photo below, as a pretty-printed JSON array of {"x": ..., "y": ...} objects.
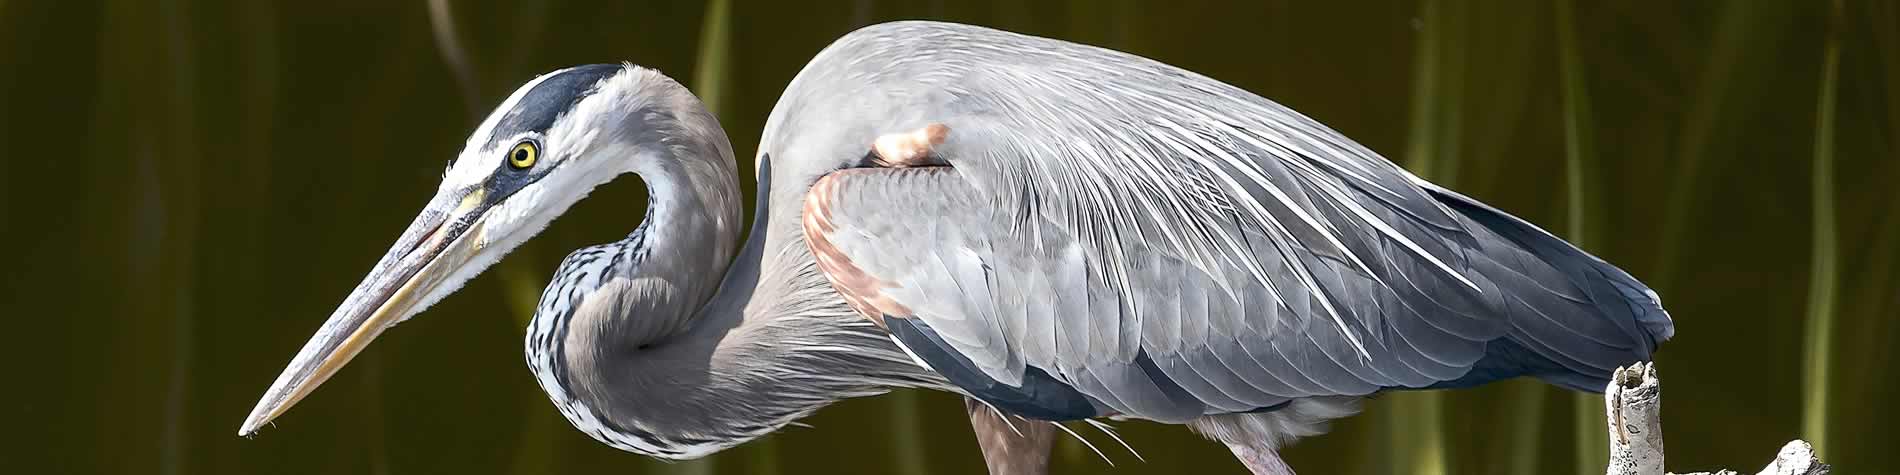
[{"x": 1648, "y": 310}]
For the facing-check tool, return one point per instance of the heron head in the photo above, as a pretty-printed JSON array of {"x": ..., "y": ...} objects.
[{"x": 541, "y": 151}]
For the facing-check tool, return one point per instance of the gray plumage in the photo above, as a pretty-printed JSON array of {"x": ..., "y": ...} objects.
[
  {"x": 1099, "y": 207},
  {"x": 1080, "y": 233}
]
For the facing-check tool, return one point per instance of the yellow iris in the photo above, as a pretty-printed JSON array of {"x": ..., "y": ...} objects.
[{"x": 523, "y": 155}]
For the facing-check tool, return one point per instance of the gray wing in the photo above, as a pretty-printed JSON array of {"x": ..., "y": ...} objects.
[{"x": 1169, "y": 246}]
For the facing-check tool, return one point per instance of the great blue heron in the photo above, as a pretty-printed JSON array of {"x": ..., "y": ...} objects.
[{"x": 1058, "y": 231}]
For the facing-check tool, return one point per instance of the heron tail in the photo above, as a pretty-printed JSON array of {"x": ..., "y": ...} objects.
[{"x": 1572, "y": 334}]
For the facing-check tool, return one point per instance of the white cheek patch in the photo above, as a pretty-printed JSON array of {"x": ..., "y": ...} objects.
[
  {"x": 472, "y": 168},
  {"x": 588, "y": 136}
]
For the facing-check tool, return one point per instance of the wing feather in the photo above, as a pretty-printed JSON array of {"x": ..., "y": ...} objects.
[{"x": 1167, "y": 244}]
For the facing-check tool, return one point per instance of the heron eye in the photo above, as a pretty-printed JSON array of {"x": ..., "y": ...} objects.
[{"x": 523, "y": 155}]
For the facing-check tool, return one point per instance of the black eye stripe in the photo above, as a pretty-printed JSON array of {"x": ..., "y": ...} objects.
[{"x": 539, "y": 107}]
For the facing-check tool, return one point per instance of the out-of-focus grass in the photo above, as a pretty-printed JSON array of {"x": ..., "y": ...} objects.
[
  {"x": 1579, "y": 191},
  {"x": 710, "y": 65},
  {"x": 1864, "y": 331},
  {"x": 907, "y": 432},
  {"x": 1579, "y": 135},
  {"x": 1704, "y": 115},
  {"x": 175, "y": 176},
  {"x": 1818, "y": 349}
]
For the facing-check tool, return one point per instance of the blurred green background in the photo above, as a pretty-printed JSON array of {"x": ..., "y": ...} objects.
[{"x": 192, "y": 185}]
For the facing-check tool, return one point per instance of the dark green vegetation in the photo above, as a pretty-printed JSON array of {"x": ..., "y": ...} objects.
[{"x": 192, "y": 185}]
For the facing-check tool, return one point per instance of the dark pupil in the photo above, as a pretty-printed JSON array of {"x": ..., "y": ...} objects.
[{"x": 521, "y": 155}]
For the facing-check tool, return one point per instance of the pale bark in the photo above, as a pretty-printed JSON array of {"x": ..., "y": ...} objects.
[{"x": 1633, "y": 402}]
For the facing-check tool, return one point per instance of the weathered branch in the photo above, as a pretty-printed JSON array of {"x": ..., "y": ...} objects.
[{"x": 1633, "y": 403}]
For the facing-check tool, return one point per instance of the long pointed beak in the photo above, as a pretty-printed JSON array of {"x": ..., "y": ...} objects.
[{"x": 441, "y": 240}]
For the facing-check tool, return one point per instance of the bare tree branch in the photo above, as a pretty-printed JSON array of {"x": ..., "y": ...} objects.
[{"x": 1633, "y": 402}]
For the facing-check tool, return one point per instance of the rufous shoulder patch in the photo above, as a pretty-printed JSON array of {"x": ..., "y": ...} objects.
[{"x": 864, "y": 292}]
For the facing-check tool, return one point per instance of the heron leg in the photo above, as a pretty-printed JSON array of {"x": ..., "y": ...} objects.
[
  {"x": 908, "y": 149},
  {"x": 1260, "y": 461},
  {"x": 1013, "y": 446}
]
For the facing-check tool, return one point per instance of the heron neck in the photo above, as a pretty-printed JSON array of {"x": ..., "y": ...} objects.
[
  {"x": 698, "y": 351},
  {"x": 605, "y": 342},
  {"x": 678, "y": 253},
  {"x": 772, "y": 344}
]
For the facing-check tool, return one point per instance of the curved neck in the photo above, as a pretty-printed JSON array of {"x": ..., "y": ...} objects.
[
  {"x": 669, "y": 266},
  {"x": 683, "y": 377},
  {"x": 599, "y": 341}
]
